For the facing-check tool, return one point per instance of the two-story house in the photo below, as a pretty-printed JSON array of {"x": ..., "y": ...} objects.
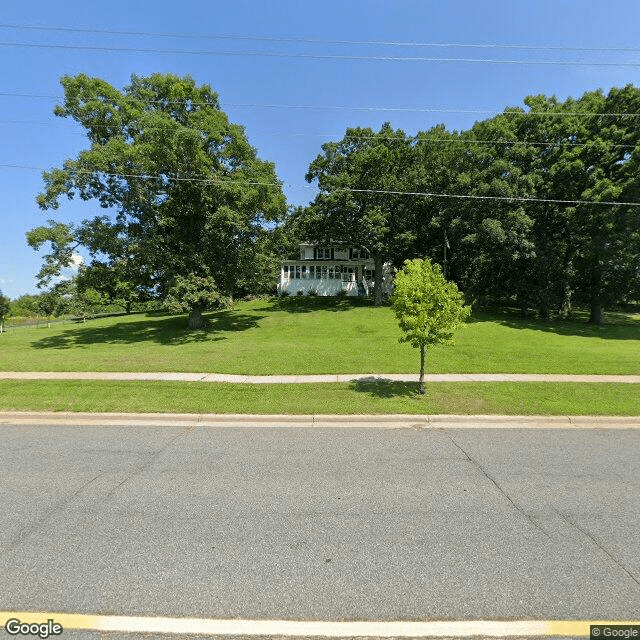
[{"x": 326, "y": 271}]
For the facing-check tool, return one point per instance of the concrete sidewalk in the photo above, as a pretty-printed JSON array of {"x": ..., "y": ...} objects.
[
  {"x": 391, "y": 421},
  {"x": 294, "y": 379}
]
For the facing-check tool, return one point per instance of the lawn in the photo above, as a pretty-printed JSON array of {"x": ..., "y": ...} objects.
[
  {"x": 361, "y": 397},
  {"x": 315, "y": 336}
]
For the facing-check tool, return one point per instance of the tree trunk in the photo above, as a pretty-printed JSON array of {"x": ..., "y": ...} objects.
[
  {"x": 196, "y": 321},
  {"x": 421, "y": 389},
  {"x": 597, "y": 313},
  {"x": 565, "y": 306},
  {"x": 128, "y": 307},
  {"x": 377, "y": 283}
]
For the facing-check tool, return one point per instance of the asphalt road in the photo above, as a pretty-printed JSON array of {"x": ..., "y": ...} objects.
[{"x": 320, "y": 523}]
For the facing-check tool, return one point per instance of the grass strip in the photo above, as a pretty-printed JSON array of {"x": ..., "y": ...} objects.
[{"x": 364, "y": 397}]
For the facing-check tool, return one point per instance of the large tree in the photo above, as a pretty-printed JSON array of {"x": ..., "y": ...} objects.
[
  {"x": 189, "y": 196},
  {"x": 356, "y": 177}
]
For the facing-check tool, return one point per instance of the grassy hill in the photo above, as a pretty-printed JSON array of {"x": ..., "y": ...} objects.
[{"x": 321, "y": 335}]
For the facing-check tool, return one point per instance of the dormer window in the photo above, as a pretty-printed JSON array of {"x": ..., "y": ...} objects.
[
  {"x": 323, "y": 253},
  {"x": 358, "y": 253}
]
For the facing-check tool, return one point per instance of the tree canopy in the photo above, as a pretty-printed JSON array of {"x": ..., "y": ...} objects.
[
  {"x": 352, "y": 175},
  {"x": 535, "y": 207},
  {"x": 189, "y": 196}
]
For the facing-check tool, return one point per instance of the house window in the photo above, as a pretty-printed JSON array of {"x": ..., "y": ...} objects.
[
  {"x": 324, "y": 253},
  {"x": 348, "y": 274},
  {"x": 358, "y": 254},
  {"x": 285, "y": 272},
  {"x": 297, "y": 272},
  {"x": 370, "y": 274}
]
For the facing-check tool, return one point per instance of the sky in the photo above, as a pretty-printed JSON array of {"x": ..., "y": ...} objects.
[{"x": 295, "y": 74}]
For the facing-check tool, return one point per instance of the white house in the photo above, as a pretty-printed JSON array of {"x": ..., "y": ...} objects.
[{"x": 326, "y": 271}]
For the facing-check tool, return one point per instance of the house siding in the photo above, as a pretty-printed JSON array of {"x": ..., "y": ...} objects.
[{"x": 316, "y": 272}]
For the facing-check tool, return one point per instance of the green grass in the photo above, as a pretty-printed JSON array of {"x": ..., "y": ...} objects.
[
  {"x": 315, "y": 336},
  {"x": 319, "y": 335},
  {"x": 380, "y": 397}
]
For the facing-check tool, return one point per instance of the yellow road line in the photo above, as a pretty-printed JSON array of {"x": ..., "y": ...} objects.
[{"x": 383, "y": 629}]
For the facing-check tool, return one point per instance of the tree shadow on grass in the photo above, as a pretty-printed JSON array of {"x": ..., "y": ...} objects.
[
  {"x": 621, "y": 329},
  {"x": 385, "y": 388},
  {"x": 307, "y": 304},
  {"x": 166, "y": 331}
]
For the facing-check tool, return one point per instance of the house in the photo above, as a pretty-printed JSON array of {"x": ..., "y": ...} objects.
[{"x": 327, "y": 271}]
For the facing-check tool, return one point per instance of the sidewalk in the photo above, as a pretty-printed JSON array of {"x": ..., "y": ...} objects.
[{"x": 295, "y": 379}]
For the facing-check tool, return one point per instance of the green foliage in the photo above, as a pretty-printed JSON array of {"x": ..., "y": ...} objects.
[
  {"x": 192, "y": 292},
  {"x": 190, "y": 196},
  {"x": 502, "y": 232},
  {"x": 51, "y": 303},
  {"x": 63, "y": 242},
  {"x": 25, "y": 306},
  {"x": 5, "y": 308},
  {"x": 429, "y": 308},
  {"x": 350, "y": 173},
  {"x": 539, "y": 253}
]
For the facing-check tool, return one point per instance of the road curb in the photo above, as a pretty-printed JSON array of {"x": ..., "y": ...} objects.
[{"x": 336, "y": 421}]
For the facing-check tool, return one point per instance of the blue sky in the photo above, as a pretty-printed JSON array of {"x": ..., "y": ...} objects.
[{"x": 33, "y": 60}]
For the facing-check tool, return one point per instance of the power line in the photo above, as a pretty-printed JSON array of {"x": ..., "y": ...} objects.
[
  {"x": 411, "y": 139},
  {"x": 276, "y": 54},
  {"x": 395, "y": 43},
  {"x": 206, "y": 180},
  {"x": 252, "y": 105},
  {"x": 477, "y": 197}
]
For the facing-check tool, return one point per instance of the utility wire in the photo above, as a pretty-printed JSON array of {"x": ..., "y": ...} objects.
[
  {"x": 516, "y": 112},
  {"x": 218, "y": 36},
  {"x": 347, "y": 189},
  {"x": 276, "y": 54},
  {"x": 411, "y": 139}
]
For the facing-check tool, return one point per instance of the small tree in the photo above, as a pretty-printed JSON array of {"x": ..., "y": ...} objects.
[
  {"x": 428, "y": 307},
  {"x": 4, "y": 309}
]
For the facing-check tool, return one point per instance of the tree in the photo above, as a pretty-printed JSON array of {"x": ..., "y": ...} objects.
[
  {"x": 428, "y": 307},
  {"x": 189, "y": 194},
  {"x": 4, "y": 309},
  {"x": 352, "y": 175},
  {"x": 26, "y": 305},
  {"x": 50, "y": 303}
]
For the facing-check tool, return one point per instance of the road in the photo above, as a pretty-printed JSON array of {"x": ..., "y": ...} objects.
[{"x": 385, "y": 524}]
